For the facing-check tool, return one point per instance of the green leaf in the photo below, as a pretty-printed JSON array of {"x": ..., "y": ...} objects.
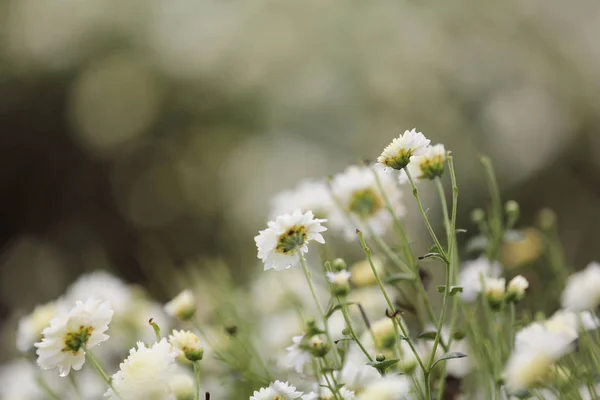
[
  {"x": 432, "y": 255},
  {"x": 382, "y": 366},
  {"x": 460, "y": 230},
  {"x": 402, "y": 276},
  {"x": 449, "y": 356},
  {"x": 427, "y": 335},
  {"x": 434, "y": 249},
  {"x": 459, "y": 335},
  {"x": 453, "y": 289},
  {"x": 402, "y": 337},
  {"x": 336, "y": 307}
]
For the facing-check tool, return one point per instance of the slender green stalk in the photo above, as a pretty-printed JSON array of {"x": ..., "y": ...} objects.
[
  {"x": 496, "y": 216},
  {"x": 388, "y": 251},
  {"x": 440, "y": 189},
  {"x": 427, "y": 385},
  {"x": 308, "y": 275},
  {"x": 99, "y": 368},
  {"x": 46, "y": 388},
  {"x": 197, "y": 378},
  {"x": 424, "y": 216},
  {"x": 344, "y": 308},
  {"x": 388, "y": 300},
  {"x": 511, "y": 327},
  {"x": 438, "y": 334}
]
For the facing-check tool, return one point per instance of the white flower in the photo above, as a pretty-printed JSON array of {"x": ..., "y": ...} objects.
[
  {"x": 472, "y": 274},
  {"x": 31, "y": 326},
  {"x": 307, "y": 196},
  {"x": 516, "y": 288},
  {"x": 277, "y": 391},
  {"x": 494, "y": 290},
  {"x": 430, "y": 164},
  {"x": 182, "y": 386},
  {"x": 536, "y": 350},
  {"x": 325, "y": 394},
  {"x": 297, "y": 357},
  {"x": 281, "y": 245},
  {"x": 62, "y": 343},
  {"x": 358, "y": 194},
  {"x": 188, "y": 344},
  {"x": 340, "y": 282},
  {"x": 391, "y": 387},
  {"x": 565, "y": 320},
  {"x": 101, "y": 285},
  {"x": 398, "y": 154},
  {"x": 146, "y": 373},
  {"x": 583, "y": 289},
  {"x": 183, "y": 306}
]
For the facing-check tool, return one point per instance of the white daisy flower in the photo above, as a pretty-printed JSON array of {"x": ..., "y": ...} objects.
[
  {"x": 31, "y": 326},
  {"x": 398, "y": 154},
  {"x": 472, "y": 274},
  {"x": 536, "y": 350},
  {"x": 282, "y": 243},
  {"x": 363, "y": 204},
  {"x": 390, "y": 387},
  {"x": 188, "y": 344},
  {"x": 309, "y": 195},
  {"x": 429, "y": 165},
  {"x": 515, "y": 290},
  {"x": 183, "y": 306},
  {"x": 277, "y": 391},
  {"x": 565, "y": 320},
  {"x": 101, "y": 285},
  {"x": 583, "y": 289},
  {"x": 297, "y": 357},
  {"x": 146, "y": 373},
  {"x": 62, "y": 342}
]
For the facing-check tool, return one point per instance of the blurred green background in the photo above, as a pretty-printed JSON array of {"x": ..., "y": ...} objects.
[{"x": 139, "y": 135}]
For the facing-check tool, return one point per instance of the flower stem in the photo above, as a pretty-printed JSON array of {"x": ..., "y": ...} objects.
[
  {"x": 344, "y": 308},
  {"x": 388, "y": 301},
  {"x": 99, "y": 368},
  {"x": 308, "y": 275},
  {"x": 47, "y": 389},
  {"x": 197, "y": 377}
]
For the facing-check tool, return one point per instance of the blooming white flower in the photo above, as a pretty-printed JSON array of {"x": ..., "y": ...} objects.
[
  {"x": 277, "y": 391},
  {"x": 31, "y": 326},
  {"x": 494, "y": 290},
  {"x": 297, "y": 356},
  {"x": 183, "y": 306},
  {"x": 430, "y": 164},
  {"x": 569, "y": 321},
  {"x": 516, "y": 288},
  {"x": 473, "y": 273},
  {"x": 62, "y": 342},
  {"x": 582, "y": 291},
  {"x": 307, "y": 196},
  {"x": 391, "y": 387},
  {"x": 188, "y": 344},
  {"x": 146, "y": 373},
  {"x": 101, "y": 285},
  {"x": 536, "y": 350},
  {"x": 358, "y": 193},
  {"x": 281, "y": 245},
  {"x": 398, "y": 154}
]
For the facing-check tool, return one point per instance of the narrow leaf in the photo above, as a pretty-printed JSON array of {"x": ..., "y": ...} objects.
[
  {"x": 449, "y": 356},
  {"x": 402, "y": 276},
  {"x": 428, "y": 335}
]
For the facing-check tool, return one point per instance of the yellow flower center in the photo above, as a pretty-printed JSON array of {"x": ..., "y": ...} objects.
[
  {"x": 74, "y": 340},
  {"x": 365, "y": 203},
  {"x": 291, "y": 240}
]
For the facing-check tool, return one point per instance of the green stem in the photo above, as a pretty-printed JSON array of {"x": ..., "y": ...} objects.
[
  {"x": 440, "y": 323},
  {"x": 46, "y": 388},
  {"x": 99, "y": 368},
  {"x": 424, "y": 216},
  {"x": 442, "y": 194},
  {"x": 308, "y": 275},
  {"x": 344, "y": 308},
  {"x": 496, "y": 218},
  {"x": 388, "y": 300},
  {"x": 427, "y": 385},
  {"x": 197, "y": 377}
]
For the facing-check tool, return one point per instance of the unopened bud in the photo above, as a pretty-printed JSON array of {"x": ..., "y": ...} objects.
[
  {"x": 477, "y": 215},
  {"x": 546, "y": 219},
  {"x": 516, "y": 289},
  {"x": 317, "y": 346},
  {"x": 188, "y": 344},
  {"x": 379, "y": 358},
  {"x": 340, "y": 282},
  {"x": 338, "y": 264},
  {"x": 182, "y": 307},
  {"x": 495, "y": 289}
]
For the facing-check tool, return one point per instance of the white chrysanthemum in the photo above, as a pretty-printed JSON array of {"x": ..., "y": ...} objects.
[
  {"x": 297, "y": 357},
  {"x": 101, "y": 285},
  {"x": 188, "y": 344},
  {"x": 583, "y": 289},
  {"x": 536, "y": 350},
  {"x": 326, "y": 394},
  {"x": 398, "y": 154},
  {"x": 182, "y": 386},
  {"x": 565, "y": 320},
  {"x": 391, "y": 387},
  {"x": 357, "y": 192},
  {"x": 472, "y": 274},
  {"x": 282, "y": 243},
  {"x": 307, "y": 196},
  {"x": 515, "y": 291},
  {"x": 146, "y": 373},
  {"x": 183, "y": 306},
  {"x": 62, "y": 343},
  {"x": 277, "y": 391},
  {"x": 430, "y": 164},
  {"x": 495, "y": 289},
  {"x": 31, "y": 326}
]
